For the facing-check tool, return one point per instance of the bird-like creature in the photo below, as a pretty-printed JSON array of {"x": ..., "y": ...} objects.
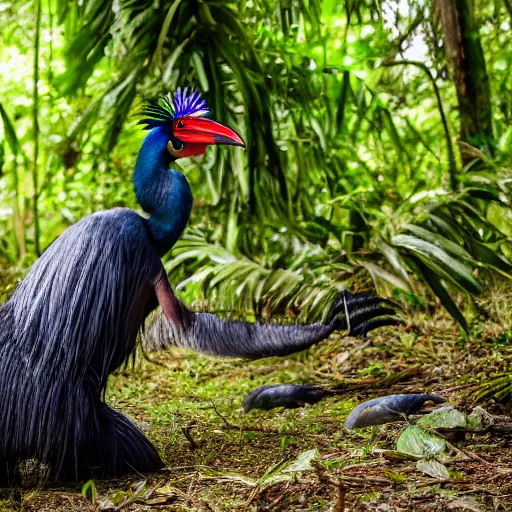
[{"x": 76, "y": 316}]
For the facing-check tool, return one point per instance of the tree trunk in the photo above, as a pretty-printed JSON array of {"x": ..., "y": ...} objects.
[
  {"x": 35, "y": 121},
  {"x": 465, "y": 55}
]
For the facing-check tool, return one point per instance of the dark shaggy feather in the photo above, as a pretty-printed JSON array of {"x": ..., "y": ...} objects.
[
  {"x": 209, "y": 334},
  {"x": 72, "y": 321}
]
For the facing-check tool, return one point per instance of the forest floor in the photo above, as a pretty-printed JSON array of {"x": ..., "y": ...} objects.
[{"x": 220, "y": 459}]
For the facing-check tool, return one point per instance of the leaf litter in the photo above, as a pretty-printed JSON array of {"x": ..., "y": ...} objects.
[{"x": 304, "y": 459}]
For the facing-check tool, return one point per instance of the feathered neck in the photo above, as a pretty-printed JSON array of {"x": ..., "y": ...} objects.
[{"x": 163, "y": 193}]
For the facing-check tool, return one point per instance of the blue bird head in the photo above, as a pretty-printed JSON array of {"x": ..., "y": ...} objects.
[{"x": 190, "y": 132}]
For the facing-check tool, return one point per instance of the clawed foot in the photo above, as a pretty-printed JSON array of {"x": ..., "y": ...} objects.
[{"x": 364, "y": 311}]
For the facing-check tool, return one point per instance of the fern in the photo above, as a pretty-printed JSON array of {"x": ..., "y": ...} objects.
[
  {"x": 238, "y": 283},
  {"x": 436, "y": 238}
]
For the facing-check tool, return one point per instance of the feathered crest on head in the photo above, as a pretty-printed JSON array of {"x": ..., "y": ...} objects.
[{"x": 167, "y": 108}]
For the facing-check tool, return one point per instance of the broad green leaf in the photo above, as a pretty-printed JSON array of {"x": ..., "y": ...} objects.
[
  {"x": 440, "y": 241},
  {"x": 415, "y": 441},
  {"x": 173, "y": 58},
  {"x": 440, "y": 291},
  {"x": 445, "y": 417},
  {"x": 446, "y": 225},
  {"x": 393, "y": 256},
  {"x": 302, "y": 462},
  {"x": 433, "y": 468},
  {"x": 392, "y": 279},
  {"x": 489, "y": 257},
  {"x": 433, "y": 255},
  {"x": 164, "y": 30},
  {"x": 201, "y": 74}
]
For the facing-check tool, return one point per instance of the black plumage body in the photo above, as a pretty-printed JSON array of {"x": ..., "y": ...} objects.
[{"x": 71, "y": 322}]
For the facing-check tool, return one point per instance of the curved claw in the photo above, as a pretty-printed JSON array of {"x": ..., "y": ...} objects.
[
  {"x": 369, "y": 313},
  {"x": 365, "y": 312},
  {"x": 347, "y": 300},
  {"x": 369, "y": 325}
]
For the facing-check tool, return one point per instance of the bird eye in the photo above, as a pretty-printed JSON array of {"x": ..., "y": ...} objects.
[{"x": 181, "y": 124}]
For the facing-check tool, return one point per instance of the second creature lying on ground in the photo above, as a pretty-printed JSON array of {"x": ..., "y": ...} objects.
[{"x": 377, "y": 411}]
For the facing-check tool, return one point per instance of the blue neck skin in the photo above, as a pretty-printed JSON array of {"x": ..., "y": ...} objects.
[{"x": 162, "y": 192}]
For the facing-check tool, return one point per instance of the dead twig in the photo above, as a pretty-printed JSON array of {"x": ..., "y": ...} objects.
[
  {"x": 186, "y": 433},
  {"x": 339, "y": 504}
]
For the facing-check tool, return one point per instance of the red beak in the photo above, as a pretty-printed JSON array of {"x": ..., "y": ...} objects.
[{"x": 200, "y": 130}]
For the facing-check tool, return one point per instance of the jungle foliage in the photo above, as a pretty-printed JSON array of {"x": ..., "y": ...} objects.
[{"x": 375, "y": 157}]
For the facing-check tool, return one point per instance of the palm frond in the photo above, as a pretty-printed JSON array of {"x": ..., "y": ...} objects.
[{"x": 240, "y": 284}]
